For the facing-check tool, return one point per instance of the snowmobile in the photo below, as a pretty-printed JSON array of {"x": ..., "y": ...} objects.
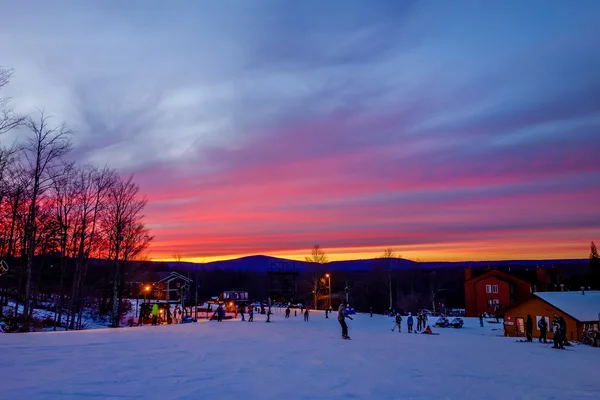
[
  {"x": 442, "y": 322},
  {"x": 457, "y": 322}
]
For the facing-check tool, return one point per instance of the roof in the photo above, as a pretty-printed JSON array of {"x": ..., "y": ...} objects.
[
  {"x": 498, "y": 275},
  {"x": 582, "y": 307}
]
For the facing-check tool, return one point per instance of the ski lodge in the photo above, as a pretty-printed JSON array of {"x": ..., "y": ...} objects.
[{"x": 581, "y": 311}]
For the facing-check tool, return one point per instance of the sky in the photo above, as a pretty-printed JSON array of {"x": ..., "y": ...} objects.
[{"x": 462, "y": 130}]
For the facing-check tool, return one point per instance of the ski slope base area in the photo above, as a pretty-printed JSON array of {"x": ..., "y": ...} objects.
[{"x": 292, "y": 359}]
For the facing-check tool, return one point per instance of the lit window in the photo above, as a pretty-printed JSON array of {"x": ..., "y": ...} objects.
[
  {"x": 496, "y": 301},
  {"x": 488, "y": 288},
  {"x": 489, "y": 303},
  {"x": 495, "y": 289}
]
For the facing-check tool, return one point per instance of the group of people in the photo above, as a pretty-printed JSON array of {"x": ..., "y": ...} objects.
[
  {"x": 559, "y": 329},
  {"x": 421, "y": 323},
  {"x": 288, "y": 312}
]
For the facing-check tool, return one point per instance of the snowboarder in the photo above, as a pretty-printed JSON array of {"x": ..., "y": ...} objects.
[
  {"x": 251, "y": 315},
  {"x": 398, "y": 323},
  {"x": 543, "y": 327},
  {"x": 341, "y": 319},
  {"x": 428, "y": 330},
  {"x": 409, "y": 322},
  {"x": 287, "y": 312},
  {"x": 306, "y": 314},
  {"x": 268, "y": 316},
  {"x": 529, "y": 328}
]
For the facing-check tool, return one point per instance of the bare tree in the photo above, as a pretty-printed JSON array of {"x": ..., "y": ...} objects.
[
  {"x": 434, "y": 288},
  {"x": 122, "y": 218},
  {"x": 8, "y": 118},
  {"x": 317, "y": 280},
  {"x": 64, "y": 201},
  {"x": 43, "y": 153},
  {"x": 176, "y": 256},
  {"x": 388, "y": 255}
]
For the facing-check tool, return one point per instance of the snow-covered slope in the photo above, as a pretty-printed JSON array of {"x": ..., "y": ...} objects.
[{"x": 291, "y": 359}]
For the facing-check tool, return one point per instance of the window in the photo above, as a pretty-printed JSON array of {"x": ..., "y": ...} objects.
[
  {"x": 490, "y": 303},
  {"x": 488, "y": 288},
  {"x": 495, "y": 289},
  {"x": 496, "y": 301}
]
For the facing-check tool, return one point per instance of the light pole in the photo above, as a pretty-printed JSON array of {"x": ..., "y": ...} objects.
[{"x": 329, "y": 286}]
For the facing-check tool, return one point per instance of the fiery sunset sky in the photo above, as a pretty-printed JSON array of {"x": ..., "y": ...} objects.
[{"x": 448, "y": 130}]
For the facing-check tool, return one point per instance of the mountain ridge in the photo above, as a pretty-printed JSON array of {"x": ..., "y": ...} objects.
[{"x": 261, "y": 263}]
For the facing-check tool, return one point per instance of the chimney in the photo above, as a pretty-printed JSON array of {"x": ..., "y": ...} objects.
[
  {"x": 468, "y": 273},
  {"x": 541, "y": 279}
]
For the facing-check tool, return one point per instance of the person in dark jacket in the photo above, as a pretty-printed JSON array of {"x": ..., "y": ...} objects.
[
  {"x": 558, "y": 341},
  {"x": 529, "y": 328},
  {"x": 543, "y": 328},
  {"x": 306, "y": 314},
  {"x": 341, "y": 319},
  {"x": 563, "y": 329},
  {"x": 398, "y": 323}
]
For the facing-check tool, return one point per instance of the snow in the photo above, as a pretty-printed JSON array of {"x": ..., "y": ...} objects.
[
  {"x": 583, "y": 307},
  {"x": 291, "y": 359}
]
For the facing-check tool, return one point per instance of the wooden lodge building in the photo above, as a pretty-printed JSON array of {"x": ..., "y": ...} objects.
[{"x": 581, "y": 310}]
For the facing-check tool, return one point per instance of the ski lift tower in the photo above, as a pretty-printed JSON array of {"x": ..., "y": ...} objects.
[{"x": 282, "y": 281}]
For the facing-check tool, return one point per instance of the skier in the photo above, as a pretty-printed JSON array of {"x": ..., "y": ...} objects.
[
  {"x": 529, "y": 328},
  {"x": 251, "y": 315},
  {"x": 543, "y": 327},
  {"x": 268, "y": 316},
  {"x": 409, "y": 322},
  {"x": 287, "y": 312},
  {"x": 327, "y": 312},
  {"x": 481, "y": 320},
  {"x": 558, "y": 341},
  {"x": 242, "y": 311},
  {"x": 398, "y": 323},
  {"x": 563, "y": 330},
  {"x": 306, "y": 314},
  {"x": 341, "y": 320}
]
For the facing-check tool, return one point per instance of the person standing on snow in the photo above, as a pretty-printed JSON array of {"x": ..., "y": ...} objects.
[
  {"x": 341, "y": 320},
  {"x": 251, "y": 315},
  {"x": 306, "y": 314},
  {"x": 398, "y": 323},
  {"x": 371, "y": 311},
  {"x": 419, "y": 321},
  {"x": 543, "y": 327},
  {"x": 409, "y": 322},
  {"x": 481, "y": 320},
  {"x": 529, "y": 328}
]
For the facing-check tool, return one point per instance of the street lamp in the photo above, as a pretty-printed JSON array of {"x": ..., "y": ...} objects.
[
  {"x": 146, "y": 290},
  {"x": 329, "y": 279}
]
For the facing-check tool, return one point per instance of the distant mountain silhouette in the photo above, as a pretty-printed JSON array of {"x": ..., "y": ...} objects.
[{"x": 261, "y": 263}]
